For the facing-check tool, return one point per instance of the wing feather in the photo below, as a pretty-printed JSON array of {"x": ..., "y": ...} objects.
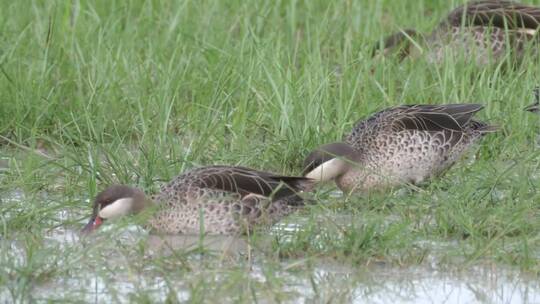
[
  {"x": 503, "y": 14},
  {"x": 247, "y": 181},
  {"x": 431, "y": 118}
]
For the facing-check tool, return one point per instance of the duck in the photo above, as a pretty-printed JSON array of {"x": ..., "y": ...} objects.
[
  {"x": 214, "y": 200},
  {"x": 535, "y": 107},
  {"x": 482, "y": 31},
  {"x": 406, "y": 144}
]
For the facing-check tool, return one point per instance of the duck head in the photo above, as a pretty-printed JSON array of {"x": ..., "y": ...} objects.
[
  {"x": 329, "y": 161},
  {"x": 114, "y": 202},
  {"x": 401, "y": 43}
]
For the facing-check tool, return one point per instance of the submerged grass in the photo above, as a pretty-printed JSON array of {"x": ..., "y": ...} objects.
[{"x": 100, "y": 92}]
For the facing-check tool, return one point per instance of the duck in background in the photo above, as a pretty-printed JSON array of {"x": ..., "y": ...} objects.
[{"x": 482, "y": 31}]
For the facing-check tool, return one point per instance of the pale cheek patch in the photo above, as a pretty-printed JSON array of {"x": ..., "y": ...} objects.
[
  {"x": 118, "y": 208},
  {"x": 528, "y": 31},
  {"x": 327, "y": 170}
]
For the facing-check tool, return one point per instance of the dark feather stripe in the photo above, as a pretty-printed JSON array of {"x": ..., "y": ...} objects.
[
  {"x": 429, "y": 117},
  {"x": 247, "y": 181}
]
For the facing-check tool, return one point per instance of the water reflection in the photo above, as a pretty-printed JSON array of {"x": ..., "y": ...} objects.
[
  {"x": 225, "y": 245},
  {"x": 417, "y": 285},
  {"x": 382, "y": 284},
  {"x": 316, "y": 281},
  {"x": 119, "y": 276}
]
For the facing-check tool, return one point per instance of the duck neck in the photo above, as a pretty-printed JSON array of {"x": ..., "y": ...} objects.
[{"x": 140, "y": 201}]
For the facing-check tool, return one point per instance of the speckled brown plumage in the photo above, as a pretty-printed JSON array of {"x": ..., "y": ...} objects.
[
  {"x": 481, "y": 31},
  {"x": 228, "y": 200},
  {"x": 404, "y": 144}
]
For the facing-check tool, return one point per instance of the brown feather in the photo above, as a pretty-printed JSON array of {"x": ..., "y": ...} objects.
[
  {"x": 431, "y": 117},
  {"x": 247, "y": 181},
  {"x": 503, "y": 14}
]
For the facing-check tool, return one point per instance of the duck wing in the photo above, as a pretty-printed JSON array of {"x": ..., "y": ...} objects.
[
  {"x": 430, "y": 117},
  {"x": 246, "y": 181},
  {"x": 498, "y": 13}
]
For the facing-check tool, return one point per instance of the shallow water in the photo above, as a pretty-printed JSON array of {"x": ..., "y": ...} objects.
[
  {"x": 115, "y": 274},
  {"x": 423, "y": 285},
  {"x": 302, "y": 282},
  {"x": 389, "y": 284}
]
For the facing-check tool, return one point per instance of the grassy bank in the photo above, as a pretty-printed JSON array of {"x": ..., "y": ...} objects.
[{"x": 136, "y": 92}]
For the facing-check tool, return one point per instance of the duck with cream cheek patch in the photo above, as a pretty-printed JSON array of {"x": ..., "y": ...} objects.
[
  {"x": 228, "y": 200},
  {"x": 399, "y": 145}
]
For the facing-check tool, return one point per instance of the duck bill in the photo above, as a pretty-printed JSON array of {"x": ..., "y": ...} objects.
[
  {"x": 533, "y": 108},
  {"x": 92, "y": 225}
]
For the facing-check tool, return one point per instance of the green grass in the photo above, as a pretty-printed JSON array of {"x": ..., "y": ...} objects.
[{"x": 137, "y": 92}]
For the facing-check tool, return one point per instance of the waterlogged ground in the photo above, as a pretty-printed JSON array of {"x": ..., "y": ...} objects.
[
  {"x": 438, "y": 243},
  {"x": 136, "y": 92},
  {"x": 124, "y": 263},
  {"x": 142, "y": 267}
]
